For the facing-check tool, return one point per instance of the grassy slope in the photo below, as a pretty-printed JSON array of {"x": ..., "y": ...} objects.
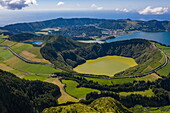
[
  {"x": 74, "y": 91},
  {"x": 101, "y": 105},
  {"x": 65, "y": 97},
  {"x": 165, "y": 70},
  {"x": 111, "y": 81},
  {"x": 1, "y": 40},
  {"x": 17, "y": 63},
  {"x": 148, "y": 93},
  {"x": 151, "y": 77},
  {"x": 36, "y": 77},
  {"x": 20, "y": 67},
  {"x": 140, "y": 109}
]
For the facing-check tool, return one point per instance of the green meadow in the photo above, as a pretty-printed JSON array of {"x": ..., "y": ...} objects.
[
  {"x": 21, "y": 47},
  {"x": 1, "y": 40},
  {"x": 151, "y": 77},
  {"x": 165, "y": 71},
  {"x": 71, "y": 88},
  {"x": 2, "y": 36},
  {"x": 147, "y": 93},
  {"x": 36, "y": 77},
  {"x": 5, "y": 54},
  {"x": 20, "y": 67},
  {"x": 17, "y": 63},
  {"x": 164, "y": 48},
  {"x": 111, "y": 81}
]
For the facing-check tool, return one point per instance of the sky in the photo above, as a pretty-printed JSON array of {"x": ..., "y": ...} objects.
[
  {"x": 17, "y": 11},
  {"x": 143, "y": 7}
]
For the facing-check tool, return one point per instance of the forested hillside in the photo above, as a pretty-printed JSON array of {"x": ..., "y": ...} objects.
[
  {"x": 23, "y": 96},
  {"x": 67, "y": 54},
  {"x": 123, "y": 24},
  {"x": 36, "y": 26}
]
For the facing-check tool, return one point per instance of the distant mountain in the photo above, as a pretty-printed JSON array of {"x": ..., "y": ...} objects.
[
  {"x": 123, "y": 24},
  {"x": 36, "y": 26},
  {"x": 101, "y": 105}
]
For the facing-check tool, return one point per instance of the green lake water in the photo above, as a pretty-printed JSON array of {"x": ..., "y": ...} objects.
[{"x": 108, "y": 65}]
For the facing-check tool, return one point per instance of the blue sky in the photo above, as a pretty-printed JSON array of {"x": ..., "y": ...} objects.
[
  {"x": 105, "y": 4},
  {"x": 16, "y": 11},
  {"x": 140, "y": 6}
]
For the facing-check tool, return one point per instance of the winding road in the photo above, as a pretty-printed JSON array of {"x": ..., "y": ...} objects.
[
  {"x": 141, "y": 75},
  {"x": 26, "y": 60},
  {"x": 52, "y": 65}
]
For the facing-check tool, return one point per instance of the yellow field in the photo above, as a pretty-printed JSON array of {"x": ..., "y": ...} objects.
[
  {"x": 108, "y": 65},
  {"x": 5, "y": 67},
  {"x": 65, "y": 97},
  {"x": 32, "y": 57},
  {"x": 151, "y": 77},
  {"x": 8, "y": 43}
]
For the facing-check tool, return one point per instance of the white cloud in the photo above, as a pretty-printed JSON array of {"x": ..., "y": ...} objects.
[
  {"x": 16, "y": 4},
  {"x": 149, "y": 10},
  {"x": 122, "y": 10},
  {"x": 1, "y": 7},
  {"x": 99, "y": 8},
  {"x": 60, "y": 3},
  {"x": 94, "y": 6}
]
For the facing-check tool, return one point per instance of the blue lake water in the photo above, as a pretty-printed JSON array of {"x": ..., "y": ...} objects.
[
  {"x": 35, "y": 42},
  {"x": 161, "y": 37}
]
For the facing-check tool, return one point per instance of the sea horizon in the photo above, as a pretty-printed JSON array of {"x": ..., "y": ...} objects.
[{"x": 34, "y": 16}]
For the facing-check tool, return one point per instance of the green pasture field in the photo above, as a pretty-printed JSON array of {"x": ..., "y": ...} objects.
[
  {"x": 36, "y": 77},
  {"x": 123, "y": 80},
  {"x": 147, "y": 93},
  {"x": 17, "y": 63},
  {"x": 9, "y": 43},
  {"x": 111, "y": 81},
  {"x": 165, "y": 71},
  {"x": 3, "y": 37},
  {"x": 164, "y": 48},
  {"x": 5, "y": 54},
  {"x": 36, "y": 51},
  {"x": 74, "y": 91},
  {"x": 1, "y": 40},
  {"x": 21, "y": 47}
]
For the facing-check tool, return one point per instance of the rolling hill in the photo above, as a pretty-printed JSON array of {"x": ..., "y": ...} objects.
[{"x": 101, "y": 105}]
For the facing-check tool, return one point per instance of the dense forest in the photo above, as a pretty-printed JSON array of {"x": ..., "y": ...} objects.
[
  {"x": 160, "y": 88},
  {"x": 23, "y": 96},
  {"x": 123, "y": 24}
]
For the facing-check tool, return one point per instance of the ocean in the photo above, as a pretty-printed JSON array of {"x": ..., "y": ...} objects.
[
  {"x": 161, "y": 37},
  {"x": 11, "y": 17}
]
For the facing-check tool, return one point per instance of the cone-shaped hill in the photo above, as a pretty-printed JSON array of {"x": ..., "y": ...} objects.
[{"x": 101, "y": 105}]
